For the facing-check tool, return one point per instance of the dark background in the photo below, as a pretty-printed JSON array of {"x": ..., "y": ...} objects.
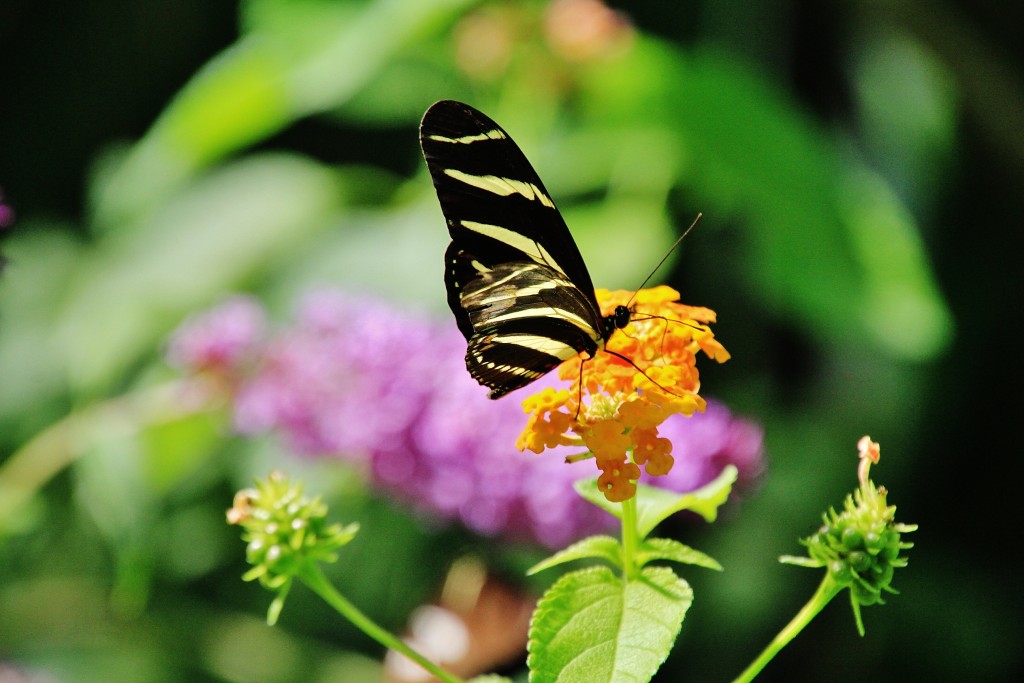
[{"x": 84, "y": 80}]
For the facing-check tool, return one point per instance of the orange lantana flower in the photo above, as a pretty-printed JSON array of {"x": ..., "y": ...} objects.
[{"x": 615, "y": 406}]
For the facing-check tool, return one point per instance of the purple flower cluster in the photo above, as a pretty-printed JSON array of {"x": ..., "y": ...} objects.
[
  {"x": 6, "y": 221},
  {"x": 356, "y": 379},
  {"x": 225, "y": 340},
  {"x": 705, "y": 443},
  {"x": 6, "y": 212}
]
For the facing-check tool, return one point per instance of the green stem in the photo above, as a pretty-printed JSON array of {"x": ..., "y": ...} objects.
[
  {"x": 314, "y": 578},
  {"x": 629, "y": 538},
  {"x": 51, "y": 450},
  {"x": 827, "y": 590}
]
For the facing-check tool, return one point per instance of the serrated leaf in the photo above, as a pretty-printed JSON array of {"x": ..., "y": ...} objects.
[
  {"x": 654, "y": 505},
  {"x": 593, "y": 626},
  {"x": 669, "y": 549},
  {"x": 601, "y": 547}
]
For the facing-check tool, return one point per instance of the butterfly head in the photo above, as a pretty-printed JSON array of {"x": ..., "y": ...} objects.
[{"x": 617, "y": 320}]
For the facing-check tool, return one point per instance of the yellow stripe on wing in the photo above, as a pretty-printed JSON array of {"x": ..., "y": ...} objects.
[
  {"x": 494, "y": 134},
  {"x": 515, "y": 240},
  {"x": 502, "y": 187}
]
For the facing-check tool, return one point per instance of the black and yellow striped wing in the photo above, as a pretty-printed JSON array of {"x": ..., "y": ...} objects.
[{"x": 516, "y": 282}]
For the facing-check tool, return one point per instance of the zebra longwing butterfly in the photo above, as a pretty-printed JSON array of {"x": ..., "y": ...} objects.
[{"x": 516, "y": 282}]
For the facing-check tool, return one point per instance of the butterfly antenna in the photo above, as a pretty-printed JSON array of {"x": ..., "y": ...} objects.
[{"x": 665, "y": 258}]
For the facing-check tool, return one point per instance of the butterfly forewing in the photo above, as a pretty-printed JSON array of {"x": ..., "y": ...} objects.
[
  {"x": 516, "y": 282},
  {"x": 496, "y": 206}
]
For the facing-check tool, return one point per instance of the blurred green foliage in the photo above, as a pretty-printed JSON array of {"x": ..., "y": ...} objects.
[{"x": 841, "y": 156}]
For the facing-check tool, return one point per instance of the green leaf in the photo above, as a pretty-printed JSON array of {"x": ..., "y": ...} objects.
[
  {"x": 759, "y": 160},
  {"x": 593, "y": 626},
  {"x": 669, "y": 549},
  {"x": 31, "y": 365},
  {"x": 587, "y": 489},
  {"x": 292, "y": 62},
  {"x": 602, "y": 547},
  {"x": 902, "y": 306},
  {"x": 801, "y": 561},
  {"x": 654, "y": 505},
  {"x": 218, "y": 232},
  {"x": 176, "y": 448}
]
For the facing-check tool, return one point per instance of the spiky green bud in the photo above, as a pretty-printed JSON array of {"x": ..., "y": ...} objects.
[
  {"x": 860, "y": 546},
  {"x": 284, "y": 530}
]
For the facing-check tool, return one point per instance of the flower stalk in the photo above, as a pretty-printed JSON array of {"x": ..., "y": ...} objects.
[
  {"x": 827, "y": 590},
  {"x": 24, "y": 474},
  {"x": 313, "y": 577},
  {"x": 288, "y": 537},
  {"x": 630, "y": 540},
  {"x": 858, "y": 547}
]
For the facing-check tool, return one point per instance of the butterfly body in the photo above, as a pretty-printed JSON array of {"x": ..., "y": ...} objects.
[{"x": 516, "y": 282}]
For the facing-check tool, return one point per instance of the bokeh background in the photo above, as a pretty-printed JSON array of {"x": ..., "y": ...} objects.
[{"x": 859, "y": 166}]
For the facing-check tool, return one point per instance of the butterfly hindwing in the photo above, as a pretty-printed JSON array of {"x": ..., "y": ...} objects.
[
  {"x": 527, "y": 319},
  {"x": 516, "y": 282}
]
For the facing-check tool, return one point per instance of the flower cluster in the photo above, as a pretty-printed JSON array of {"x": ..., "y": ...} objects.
[
  {"x": 860, "y": 546},
  {"x": 586, "y": 30},
  {"x": 223, "y": 346},
  {"x": 356, "y": 379},
  {"x": 284, "y": 530},
  {"x": 6, "y": 221},
  {"x": 6, "y": 212},
  {"x": 571, "y": 33},
  {"x": 647, "y": 374}
]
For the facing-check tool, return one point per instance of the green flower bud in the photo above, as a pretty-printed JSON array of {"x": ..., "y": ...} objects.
[
  {"x": 861, "y": 544},
  {"x": 852, "y": 538},
  {"x": 284, "y": 530}
]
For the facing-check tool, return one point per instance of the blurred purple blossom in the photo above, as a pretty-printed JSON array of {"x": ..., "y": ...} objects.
[
  {"x": 706, "y": 443},
  {"x": 223, "y": 339},
  {"x": 6, "y": 212},
  {"x": 357, "y": 379},
  {"x": 6, "y": 221}
]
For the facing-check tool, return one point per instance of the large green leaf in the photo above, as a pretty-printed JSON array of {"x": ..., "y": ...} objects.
[{"x": 593, "y": 626}]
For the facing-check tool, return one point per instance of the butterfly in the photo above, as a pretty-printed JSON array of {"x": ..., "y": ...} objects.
[{"x": 515, "y": 279}]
